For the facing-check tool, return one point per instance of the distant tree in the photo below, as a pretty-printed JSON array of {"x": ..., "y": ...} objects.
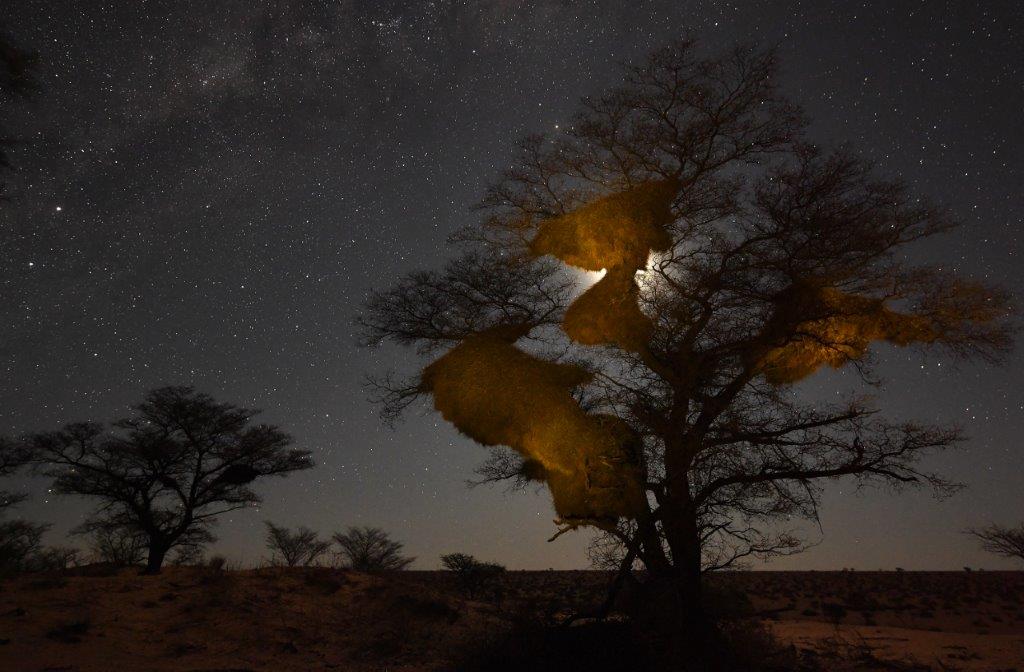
[
  {"x": 301, "y": 548},
  {"x": 170, "y": 469},
  {"x": 659, "y": 404},
  {"x": 472, "y": 574},
  {"x": 20, "y": 544},
  {"x": 1005, "y": 541},
  {"x": 114, "y": 544},
  {"x": 51, "y": 558},
  {"x": 370, "y": 549}
]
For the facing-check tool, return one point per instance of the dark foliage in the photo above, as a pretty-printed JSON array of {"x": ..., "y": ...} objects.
[
  {"x": 169, "y": 470},
  {"x": 20, "y": 544}
]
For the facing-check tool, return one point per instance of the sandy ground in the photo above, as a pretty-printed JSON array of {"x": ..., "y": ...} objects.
[
  {"x": 252, "y": 620},
  {"x": 274, "y": 619},
  {"x": 931, "y": 620},
  {"x": 934, "y": 650}
]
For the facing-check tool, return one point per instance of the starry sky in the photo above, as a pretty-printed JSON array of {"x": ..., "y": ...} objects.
[{"x": 206, "y": 192}]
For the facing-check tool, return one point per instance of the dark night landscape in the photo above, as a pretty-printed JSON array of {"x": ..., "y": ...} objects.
[{"x": 466, "y": 335}]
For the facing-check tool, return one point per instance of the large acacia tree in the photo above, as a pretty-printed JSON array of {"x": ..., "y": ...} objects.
[
  {"x": 169, "y": 470},
  {"x": 739, "y": 259}
]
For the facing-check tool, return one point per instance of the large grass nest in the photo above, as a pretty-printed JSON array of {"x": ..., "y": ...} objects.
[
  {"x": 497, "y": 394},
  {"x": 821, "y": 326},
  {"x": 608, "y": 314},
  {"x": 619, "y": 229}
]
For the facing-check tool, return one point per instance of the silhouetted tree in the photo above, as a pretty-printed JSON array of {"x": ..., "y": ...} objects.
[
  {"x": 55, "y": 558},
  {"x": 167, "y": 471},
  {"x": 121, "y": 545},
  {"x": 20, "y": 543},
  {"x": 370, "y": 549},
  {"x": 20, "y": 540},
  {"x": 472, "y": 574},
  {"x": 1005, "y": 541},
  {"x": 738, "y": 259},
  {"x": 302, "y": 547}
]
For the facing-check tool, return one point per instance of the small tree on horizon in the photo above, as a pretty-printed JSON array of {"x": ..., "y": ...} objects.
[
  {"x": 472, "y": 574},
  {"x": 299, "y": 548},
  {"x": 370, "y": 549},
  {"x": 167, "y": 471},
  {"x": 121, "y": 545}
]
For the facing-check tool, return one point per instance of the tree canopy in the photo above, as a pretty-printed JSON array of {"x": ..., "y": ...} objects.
[{"x": 170, "y": 469}]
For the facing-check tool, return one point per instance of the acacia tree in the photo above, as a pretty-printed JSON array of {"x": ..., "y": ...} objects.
[
  {"x": 302, "y": 547},
  {"x": 1005, "y": 541},
  {"x": 170, "y": 469},
  {"x": 661, "y": 406},
  {"x": 370, "y": 549}
]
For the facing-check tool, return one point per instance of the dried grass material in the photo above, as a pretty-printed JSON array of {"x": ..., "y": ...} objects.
[
  {"x": 608, "y": 314},
  {"x": 619, "y": 229},
  {"x": 499, "y": 395},
  {"x": 840, "y": 329}
]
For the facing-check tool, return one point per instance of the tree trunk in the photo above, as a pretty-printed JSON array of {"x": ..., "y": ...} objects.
[
  {"x": 671, "y": 611},
  {"x": 155, "y": 559}
]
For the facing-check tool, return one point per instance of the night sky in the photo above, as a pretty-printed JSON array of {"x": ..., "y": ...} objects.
[{"x": 207, "y": 191}]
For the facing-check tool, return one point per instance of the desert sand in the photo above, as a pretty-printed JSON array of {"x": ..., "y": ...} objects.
[{"x": 274, "y": 619}]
